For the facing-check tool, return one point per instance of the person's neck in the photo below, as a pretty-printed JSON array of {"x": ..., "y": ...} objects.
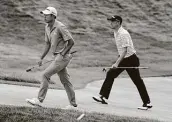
[
  {"x": 50, "y": 24},
  {"x": 117, "y": 28}
]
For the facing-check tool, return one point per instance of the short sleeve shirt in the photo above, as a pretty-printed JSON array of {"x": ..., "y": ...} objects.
[
  {"x": 123, "y": 39},
  {"x": 59, "y": 34}
]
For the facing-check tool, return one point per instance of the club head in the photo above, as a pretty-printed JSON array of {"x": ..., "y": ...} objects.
[
  {"x": 104, "y": 70},
  {"x": 73, "y": 52},
  {"x": 28, "y": 70}
]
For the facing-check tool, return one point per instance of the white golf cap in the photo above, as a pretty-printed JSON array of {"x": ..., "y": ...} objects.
[{"x": 50, "y": 10}]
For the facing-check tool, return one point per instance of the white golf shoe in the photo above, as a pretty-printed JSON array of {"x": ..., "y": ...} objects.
[
  {"x": 69, "y": 107},
  {"x": 34, "y": 102}
]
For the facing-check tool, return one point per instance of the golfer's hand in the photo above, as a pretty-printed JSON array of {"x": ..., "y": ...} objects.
[
  {"x": 40, "y": 62},
  {"x": 61, "y": 56},
  {"x": 53, "y": 57},
  {"x": 115, "y": 65}
]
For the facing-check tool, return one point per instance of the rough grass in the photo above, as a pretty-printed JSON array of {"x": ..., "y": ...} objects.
[{"x": 28, "y": 114}]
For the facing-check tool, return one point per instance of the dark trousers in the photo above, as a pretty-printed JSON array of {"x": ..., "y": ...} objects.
[{"x": 132, "y": 61}]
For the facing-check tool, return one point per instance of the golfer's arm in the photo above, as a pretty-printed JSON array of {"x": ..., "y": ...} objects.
[
  {"x": 47, "y": 48},
  {"x": 121, "y": 57},
  {"x": 70, "y": 43}
]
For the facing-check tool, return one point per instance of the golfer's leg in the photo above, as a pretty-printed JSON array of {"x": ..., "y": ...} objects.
[
  {"x": 107, "y": 85},
  {"x": 138, "y": 81},
  {"x": 64, "y": 77},
  {"x": 48, "y": 72}
]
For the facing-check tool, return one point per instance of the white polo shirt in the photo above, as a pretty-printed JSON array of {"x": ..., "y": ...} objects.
[{"x": 123, "y": 39}]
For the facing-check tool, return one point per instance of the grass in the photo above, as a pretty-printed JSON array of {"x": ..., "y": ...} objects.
[{"x": 28, "y": 114}]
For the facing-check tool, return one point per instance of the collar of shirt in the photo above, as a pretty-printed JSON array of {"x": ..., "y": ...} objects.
[
  {"x": 53, "y": 27},
  {"x": 49, "y": 31},
  {"x": 118, "y": 31}
]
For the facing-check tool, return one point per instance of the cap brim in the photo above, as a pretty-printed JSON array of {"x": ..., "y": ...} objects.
[
  {"x": 110, "y": 19},
  {"x": 45, "y": 12}
]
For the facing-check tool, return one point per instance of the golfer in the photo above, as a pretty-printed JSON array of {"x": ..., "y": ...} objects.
[
  {"x": 59, "y": 40},
  {"x": 127, "y": 58}
]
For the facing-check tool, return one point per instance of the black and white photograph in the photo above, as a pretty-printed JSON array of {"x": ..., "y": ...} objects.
[{"x": 85, "y": 61}]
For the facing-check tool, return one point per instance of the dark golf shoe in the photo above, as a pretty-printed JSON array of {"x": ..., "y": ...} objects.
[{"x": 100, "y": 99}]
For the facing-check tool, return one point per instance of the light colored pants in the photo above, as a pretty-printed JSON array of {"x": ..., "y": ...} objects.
[{"x": 59, "y": 66}]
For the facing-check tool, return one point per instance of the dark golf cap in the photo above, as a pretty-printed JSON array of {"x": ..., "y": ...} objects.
[{"x": 114, "y": 18}]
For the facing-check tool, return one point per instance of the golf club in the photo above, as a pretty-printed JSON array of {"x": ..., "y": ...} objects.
[
  {"x": 107, "y": 68},
  {"x": 37, "y": 66}
]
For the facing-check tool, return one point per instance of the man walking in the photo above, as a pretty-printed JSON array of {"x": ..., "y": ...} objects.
[
  {"x": 127, "y": 58},
  {"x": 59, "y": 40}
]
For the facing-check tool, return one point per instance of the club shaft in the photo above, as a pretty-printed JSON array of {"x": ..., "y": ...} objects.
[
  {"x": 128, "y": 67},
  {"x": 36, "y": 66}
]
